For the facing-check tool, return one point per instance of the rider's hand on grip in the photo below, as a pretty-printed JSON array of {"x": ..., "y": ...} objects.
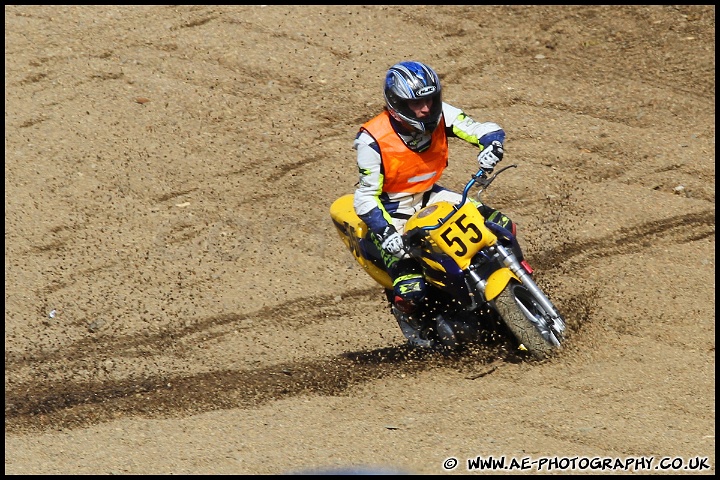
[
  {"x": 392, "y": 242},
  {"x": 490, "y": 156},
  {"x": 413, "y": 238}
]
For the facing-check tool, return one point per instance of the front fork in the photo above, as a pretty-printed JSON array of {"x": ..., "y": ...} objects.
[{"x": 489, "y": 289}]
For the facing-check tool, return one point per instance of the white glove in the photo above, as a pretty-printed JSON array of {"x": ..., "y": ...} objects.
[
  {"x": 490, "y": 156},
  {"x": 392, "y": 242}
]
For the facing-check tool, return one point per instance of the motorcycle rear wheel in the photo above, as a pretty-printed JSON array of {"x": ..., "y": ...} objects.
[{"x": 523, "y": 315}]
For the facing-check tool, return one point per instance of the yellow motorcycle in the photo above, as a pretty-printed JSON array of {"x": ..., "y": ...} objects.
[{"x": 474, "y": 270}]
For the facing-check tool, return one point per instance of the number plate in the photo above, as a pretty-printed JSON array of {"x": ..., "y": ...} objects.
[{"x": 463, "y": 235}]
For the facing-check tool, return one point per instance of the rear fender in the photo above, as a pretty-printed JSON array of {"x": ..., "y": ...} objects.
[{"x": 352, "y": 231}]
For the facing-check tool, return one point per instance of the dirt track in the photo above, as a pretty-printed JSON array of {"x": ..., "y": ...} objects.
[{"x": 168, "y": 176}]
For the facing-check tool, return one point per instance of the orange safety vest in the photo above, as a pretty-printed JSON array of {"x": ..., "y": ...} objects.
[{"x": 405, "y": 170}]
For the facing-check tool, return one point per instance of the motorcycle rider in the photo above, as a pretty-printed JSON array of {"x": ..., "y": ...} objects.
[{"x": 401, "y": 154}]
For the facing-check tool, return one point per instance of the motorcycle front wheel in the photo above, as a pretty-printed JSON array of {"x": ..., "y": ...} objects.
[{"x": 523, "y": 314}]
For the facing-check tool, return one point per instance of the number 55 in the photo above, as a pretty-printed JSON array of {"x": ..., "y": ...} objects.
[{"x": 459, "y": 239}]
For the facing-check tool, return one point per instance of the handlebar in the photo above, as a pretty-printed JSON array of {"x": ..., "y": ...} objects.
[
  {"x": 414, "y": 236},
  {"x": 481, "y": 178}
]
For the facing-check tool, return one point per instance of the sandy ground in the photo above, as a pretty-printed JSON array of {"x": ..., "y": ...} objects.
[{"x": 177, "y": 300}]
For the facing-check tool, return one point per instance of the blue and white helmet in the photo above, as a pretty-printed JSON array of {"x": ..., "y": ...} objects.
[{"x": 412, "y": 81}]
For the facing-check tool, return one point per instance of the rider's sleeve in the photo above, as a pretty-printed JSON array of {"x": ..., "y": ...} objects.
[
  {"x": 367, "y": 194},
  {"x": 482, "y": 134}
]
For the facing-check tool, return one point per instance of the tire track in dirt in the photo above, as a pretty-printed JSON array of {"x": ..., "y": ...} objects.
[
  {"x": 678, "y": 229},
  {"x": 80, "y": 404},
  {"x": 284, "y": 316},
  {"x": 68, "y": 403}
]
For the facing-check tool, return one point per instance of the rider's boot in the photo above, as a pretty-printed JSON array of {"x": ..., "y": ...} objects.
[
  {"x": 503, "y": 220},
  {"x": 406, "y": 296},
  {"x": 412, "y": 327},
  {"x": 496, "y": 216}
]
